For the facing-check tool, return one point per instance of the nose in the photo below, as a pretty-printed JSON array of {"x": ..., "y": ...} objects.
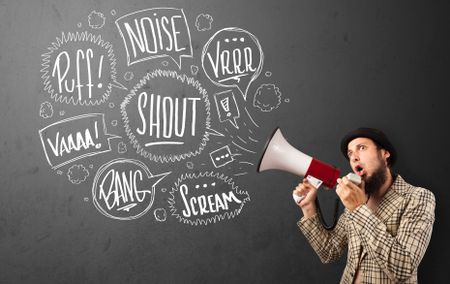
[{"x": 354, "y": 157}]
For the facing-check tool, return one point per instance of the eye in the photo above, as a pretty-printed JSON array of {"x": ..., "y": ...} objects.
[
  {"x": 349, "y": 154},
  {"x": 362, "y": 147}
]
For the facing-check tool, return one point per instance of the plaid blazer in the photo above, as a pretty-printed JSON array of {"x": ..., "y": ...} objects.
[{"x": 386, "y": 246}]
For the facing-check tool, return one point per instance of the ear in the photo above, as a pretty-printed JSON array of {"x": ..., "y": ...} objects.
[{"x": 385, "y": 154}]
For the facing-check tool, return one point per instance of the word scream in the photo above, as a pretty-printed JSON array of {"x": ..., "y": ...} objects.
[{"x": 202, "y": 204}]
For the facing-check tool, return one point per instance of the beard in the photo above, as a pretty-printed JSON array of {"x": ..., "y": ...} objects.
[{"x": 374, "y": 183}]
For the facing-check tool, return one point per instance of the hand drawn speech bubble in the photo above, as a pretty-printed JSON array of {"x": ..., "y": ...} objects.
[
  {"x": 74, "y": 138},
  {"x": 167, "y": 116},
  {"x": 79, "y": 68},
  {"x": 227, "y": 108},
  {"x": 205, "y": 198},
  {"x": 233, "y": 57},
  {"x": 154, "y": 33},
  {"x": 124, "y": 189}
]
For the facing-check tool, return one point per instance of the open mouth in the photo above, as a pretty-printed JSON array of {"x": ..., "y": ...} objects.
[{"x": 359, "y": 170}]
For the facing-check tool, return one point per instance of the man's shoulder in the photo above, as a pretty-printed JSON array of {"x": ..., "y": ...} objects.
[{"x": 413, "y": 192}]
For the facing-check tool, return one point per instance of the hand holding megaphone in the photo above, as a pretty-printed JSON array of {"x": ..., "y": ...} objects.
[{"x": 301, "y": 191}]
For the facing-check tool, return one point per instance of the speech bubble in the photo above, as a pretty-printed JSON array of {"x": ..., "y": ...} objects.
[
  {"x": 233, "y": 57},
  {"x": 79, "y": 68},
  {"x": 206, "y": 198},
  {"x": 74, "y": 138},
  {"x": 227, "y": 108},
  {"x": 167, "y": 116},
  {"x": 154, "y": 33},
  {"x": 221, "y": 156},
  {"x": 124, "y": 189}
]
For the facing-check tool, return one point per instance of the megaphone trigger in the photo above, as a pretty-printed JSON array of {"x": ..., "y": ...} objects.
[{"x": 314, "y": 181}]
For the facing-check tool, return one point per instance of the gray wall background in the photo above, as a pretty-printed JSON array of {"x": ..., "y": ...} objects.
[{"x": 342, "y": 64}]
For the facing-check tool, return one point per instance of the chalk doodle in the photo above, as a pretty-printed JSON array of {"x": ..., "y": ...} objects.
[
  {"x": 128, "y": 76},
  {"x": 233, "y": 57},
  {"x": 194, "y": 69},
  {"x": 77, "y": 174},
  {"x": 154, "y": 33},
  {"x": 206, "y": 198},
  {"x": 124, "y": 189},
  {"x": 96, "y": 20},
  {"x": 79, "y": 68},
  {"x": 267, "y": 97},
  {"x": 166, "y": 114},
  {"x": 74, "y": 138},
  {"x": 175, "y": 113},
  {"x": 203, "y": 22},
  {"x": 227, "y": 108},
  {"x": 121, "y": 148},
  {"x": 46, "y": 110},
  {"x": 160, "y": 214},
  {"x": 221, "y": 156}
]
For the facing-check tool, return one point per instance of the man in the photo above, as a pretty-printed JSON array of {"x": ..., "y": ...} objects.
[{"x": 386, "y": 224}]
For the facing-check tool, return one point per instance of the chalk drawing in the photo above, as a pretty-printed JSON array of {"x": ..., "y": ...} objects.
[
  {"x": 160, "y": 214},
  {"x": 203, "y": 22},
  {"x": 128, "y": 76},
  {"x": 79, "y": 68},
  {"x": 227, "y": 108},
  {"x": 267, "y": 97},
  {"x": 194, "y": 69},
  {"x": 233, "y": 57},
  {"x": 46, "y": 110},
  {"x": 77, "y": 174},
  {"x": 96, "y": 20},
  {"x": 124, "y": 189},
  {"x": 190, "y": 165},
  {"x": 157, "y": 122},
  {"x": 154, "y": 33},
  {"x": 206, "y": 198},
  {"x": 121, "y": 148},
  {"x": 221, "y": 156},
  {"x": 75, "y": 138}
]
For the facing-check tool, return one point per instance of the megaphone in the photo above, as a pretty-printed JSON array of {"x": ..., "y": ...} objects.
[{"x": 280, "y": 155}]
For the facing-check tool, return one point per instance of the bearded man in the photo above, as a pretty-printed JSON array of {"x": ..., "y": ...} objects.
[{"x": 387, "y": 223}]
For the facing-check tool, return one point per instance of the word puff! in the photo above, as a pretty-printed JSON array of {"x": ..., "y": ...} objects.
[
  {"x": 124, "y": 189},
  {"x": 80, "y": 68},
  {"x": 205, "y": 198}
]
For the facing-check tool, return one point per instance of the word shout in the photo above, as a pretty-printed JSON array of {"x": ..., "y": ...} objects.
[{"x": 164, "y": 116}]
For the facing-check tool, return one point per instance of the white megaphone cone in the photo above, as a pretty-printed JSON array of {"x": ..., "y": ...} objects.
[{"x": 280, "y": 155}]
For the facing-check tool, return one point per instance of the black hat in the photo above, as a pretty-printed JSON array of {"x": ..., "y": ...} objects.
[{"x": 376, "y": 135}]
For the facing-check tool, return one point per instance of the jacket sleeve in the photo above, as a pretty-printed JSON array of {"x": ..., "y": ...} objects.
[
  {"x": 399, "y": 256},
  {"x": 329, "y": 245}
]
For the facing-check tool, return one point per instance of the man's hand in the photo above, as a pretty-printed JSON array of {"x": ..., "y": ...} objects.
[
  {"x": 351, "y": 195},
  {"x": 309, "y": 192}
]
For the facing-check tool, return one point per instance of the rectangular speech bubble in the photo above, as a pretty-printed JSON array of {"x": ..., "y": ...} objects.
[
  {"x": 156, "y": 32},
  {"x": 74, "y": 138}
]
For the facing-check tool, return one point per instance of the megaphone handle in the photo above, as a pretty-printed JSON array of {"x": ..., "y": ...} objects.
[{"x": 335, "y": 217}]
